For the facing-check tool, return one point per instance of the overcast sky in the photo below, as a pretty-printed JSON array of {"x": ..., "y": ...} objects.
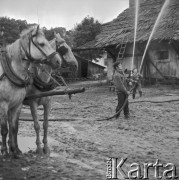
[{"x": 62, "y": 13}]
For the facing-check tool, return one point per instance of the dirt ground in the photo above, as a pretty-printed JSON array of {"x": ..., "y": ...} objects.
[{"x": 80, "y": 145}]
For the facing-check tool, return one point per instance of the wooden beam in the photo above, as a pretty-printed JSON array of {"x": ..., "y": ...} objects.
[
  {"x": 175, "y": 46},
  {"x": 111, "y": 54},
  {"x": 159, "y": 71},
  {"x": 55, "y": 92},
  {"x": 156, "y": 68}
]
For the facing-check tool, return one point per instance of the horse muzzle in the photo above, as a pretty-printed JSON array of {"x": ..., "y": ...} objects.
[{"x": 55, "y": 62}]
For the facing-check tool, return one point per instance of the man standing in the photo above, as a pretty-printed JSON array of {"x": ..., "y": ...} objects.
[
  {"x": 137, "y": 78},
  {"x": 121, "y": 89}
]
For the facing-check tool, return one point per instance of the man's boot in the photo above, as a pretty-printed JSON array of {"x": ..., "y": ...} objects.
[
  {"x": 133, "y": 96},
  {"x": 127, "y": 116},
  {"x": 140, "y": 93},
  {"x": 117, "y": 116}
]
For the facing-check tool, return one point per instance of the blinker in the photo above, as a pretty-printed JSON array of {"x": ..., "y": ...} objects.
[{"x": 62, "y": 50}]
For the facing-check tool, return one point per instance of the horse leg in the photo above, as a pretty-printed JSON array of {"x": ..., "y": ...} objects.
[
  {"x": 47, "y": 107},
  {"x": 17, "y": 129},
  {"x": 13, "y": 117},
  {"x": 33, "y": 108},
  {"x": 4, "y": 128}
]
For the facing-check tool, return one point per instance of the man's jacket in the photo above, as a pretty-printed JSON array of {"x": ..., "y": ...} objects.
[{"x": 119, "y": 81}]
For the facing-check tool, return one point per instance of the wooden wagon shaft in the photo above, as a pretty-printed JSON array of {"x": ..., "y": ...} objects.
[{"x": 56, "y": 92}]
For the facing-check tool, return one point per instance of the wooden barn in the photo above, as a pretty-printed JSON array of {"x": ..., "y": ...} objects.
[
  {"x": 88, "y": 69},
  {"x": 162, "y": 57}
]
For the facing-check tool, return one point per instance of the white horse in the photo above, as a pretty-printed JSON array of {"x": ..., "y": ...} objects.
[
  {"x": 32, "y": 47},
  {"x": 43, "y": 82}
]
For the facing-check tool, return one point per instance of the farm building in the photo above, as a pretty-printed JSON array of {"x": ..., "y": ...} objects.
[
  {"x": 162, "y": 56},
  {"x": 86, "y": 69}
]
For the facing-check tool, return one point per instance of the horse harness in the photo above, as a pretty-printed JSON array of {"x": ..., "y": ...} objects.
[
  {"x": 62, "y": 50},
  {"x": 30, "y": 58},
  {"x": 41, "y": 85},
  {"x": 9, "y": 72}
]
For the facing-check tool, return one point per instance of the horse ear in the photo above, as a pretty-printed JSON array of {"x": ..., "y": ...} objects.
[
  {"x": 59, "y": 38},
  {"x": 35, "y": 30},
  {"x": 55, "y": 34},
  {"x": 59, "y": 35}
]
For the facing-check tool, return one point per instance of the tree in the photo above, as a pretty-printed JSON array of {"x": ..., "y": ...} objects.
[
  {"x": 11, "y": 28},
  {"x": 62, "y": 31},
  {"x": 86, "y": 31}
]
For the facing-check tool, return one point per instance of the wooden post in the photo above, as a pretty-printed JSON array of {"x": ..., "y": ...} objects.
[{"x": 149, "y": 74}]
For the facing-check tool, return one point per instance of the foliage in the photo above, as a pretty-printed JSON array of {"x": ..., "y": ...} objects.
[
  {"x": 62, "y": 31},
  {"x": 11, "y": 28},
  {"x": 86, "y": 31}
]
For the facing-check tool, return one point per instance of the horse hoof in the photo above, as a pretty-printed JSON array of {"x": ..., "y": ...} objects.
[
  {"x": 39, "y": 151},
  {"x": 16, "y": 156},
  {"x": 5, "y": 154},
  {"x": 17, "y": 153},
  {"x": 46, "y": 150}
]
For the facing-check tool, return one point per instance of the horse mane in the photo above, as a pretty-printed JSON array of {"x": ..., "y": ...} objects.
[
  {"x": 26, "y": 31},
  {"x": 60, "y": 38},
  {"x": 13, "y": 49},
  {"x": 29, "y": 30},
  {"x": 53, "y": 43}
]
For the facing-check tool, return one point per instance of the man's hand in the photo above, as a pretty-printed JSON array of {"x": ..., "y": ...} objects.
[{"x": 128, "y": 93}]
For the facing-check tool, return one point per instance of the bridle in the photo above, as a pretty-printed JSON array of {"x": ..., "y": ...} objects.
[
  {"x": 29, "y": 56},
  {"x": 62, "y": 50}
]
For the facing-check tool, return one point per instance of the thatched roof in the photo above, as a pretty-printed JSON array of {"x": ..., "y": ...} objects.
[{"x": 114, "y": 31}]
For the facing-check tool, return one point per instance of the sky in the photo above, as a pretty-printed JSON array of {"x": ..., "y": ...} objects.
[{"x": 62, "y": 13}]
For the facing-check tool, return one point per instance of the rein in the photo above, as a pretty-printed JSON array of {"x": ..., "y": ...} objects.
[{"x": 43, "y": 86}]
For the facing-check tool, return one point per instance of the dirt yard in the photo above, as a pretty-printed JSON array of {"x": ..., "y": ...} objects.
[{"x": 80, "y": 145}]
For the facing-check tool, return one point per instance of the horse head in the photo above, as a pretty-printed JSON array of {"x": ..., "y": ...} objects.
[
  {"x": 66, "y": 53},
  {"x": 37, "y": 49}
]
